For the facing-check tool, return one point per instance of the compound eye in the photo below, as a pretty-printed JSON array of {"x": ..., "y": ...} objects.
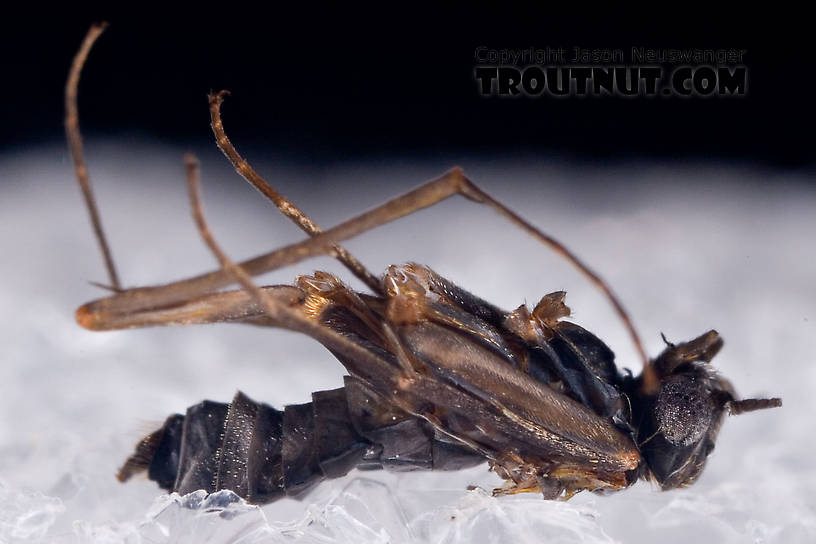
[{"x": 685, "y": 410}]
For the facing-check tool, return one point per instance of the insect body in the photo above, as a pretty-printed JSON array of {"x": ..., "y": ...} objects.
[
  {"x": 438, "y": 378},
  {"x": 482, "y": 392},
  {"x": 539, "y": 397}
]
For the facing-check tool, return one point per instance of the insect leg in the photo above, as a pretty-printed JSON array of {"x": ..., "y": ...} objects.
[
  {"x": 229, "y": 306},
  {"x": 363, "y": 364},
  {"x": 273, "y": 309},
  {"x": 75, "y": 145},
  {"x": 284, "y": 205},
  {"x": 453, "y": 182},
  {"x": 261, "y": 296},
  {"x": 143, "y": 298},
  {"x": 74, "y": 138}
]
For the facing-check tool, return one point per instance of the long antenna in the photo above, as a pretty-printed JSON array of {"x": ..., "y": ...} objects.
[{"x": 75, "y": 146}]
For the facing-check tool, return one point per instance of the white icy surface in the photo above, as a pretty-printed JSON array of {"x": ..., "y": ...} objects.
[{"x": 687, "y": 248}]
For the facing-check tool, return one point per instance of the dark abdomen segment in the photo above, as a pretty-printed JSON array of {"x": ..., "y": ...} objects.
[{"x": 262, "y": 453}]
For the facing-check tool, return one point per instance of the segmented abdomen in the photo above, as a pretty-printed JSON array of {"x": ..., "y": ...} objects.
[{"x": 262, "y": 453}]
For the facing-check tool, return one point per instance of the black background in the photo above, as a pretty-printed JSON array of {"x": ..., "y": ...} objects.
[{"x": 330, "y": 85}]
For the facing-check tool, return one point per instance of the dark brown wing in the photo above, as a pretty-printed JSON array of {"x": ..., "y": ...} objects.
[{"x": 465, "y": 385}]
